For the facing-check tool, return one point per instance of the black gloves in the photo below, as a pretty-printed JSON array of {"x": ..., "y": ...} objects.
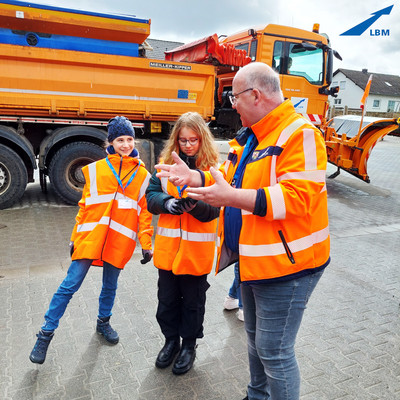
[
  {"x": 187, "y": 204},
  {"x": 71, "y": 248},
  {"x": 147, "y": 256},
  {"x": 172, "y": 206},
  {"x": 179, "y": 206}
]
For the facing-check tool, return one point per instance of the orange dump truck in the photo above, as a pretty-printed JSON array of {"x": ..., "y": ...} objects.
[
  {"x": 64, "y": 73},
  {"x": 58, "y": 91}
]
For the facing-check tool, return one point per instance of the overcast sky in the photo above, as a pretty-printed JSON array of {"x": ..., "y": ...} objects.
[{"x": 185, "y": 21}]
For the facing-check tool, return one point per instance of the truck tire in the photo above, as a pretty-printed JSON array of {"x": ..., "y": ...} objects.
[
  {"x": 65, "y": 170},
  {"x": 13, "y": 177}
]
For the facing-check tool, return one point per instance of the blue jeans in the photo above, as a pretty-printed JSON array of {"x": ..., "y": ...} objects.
[
  {"x": 72, "y": 282},
  {"x": 273, "y": 314},
  {"x": 234, "y": 291}
]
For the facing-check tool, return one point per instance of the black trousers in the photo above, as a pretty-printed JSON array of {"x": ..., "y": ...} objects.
[{"x": 181, "y": 305}]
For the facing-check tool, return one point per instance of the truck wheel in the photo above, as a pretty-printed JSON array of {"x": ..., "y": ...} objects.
[
  {"x": 65, "y": 170},
  {"x": 13, "y": 177}
]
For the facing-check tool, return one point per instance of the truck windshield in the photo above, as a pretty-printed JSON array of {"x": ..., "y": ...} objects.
[{"x": 294, "y": 59}]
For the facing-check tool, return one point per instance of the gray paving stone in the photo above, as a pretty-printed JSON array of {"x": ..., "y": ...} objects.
[{"x": 348, "y": 345}]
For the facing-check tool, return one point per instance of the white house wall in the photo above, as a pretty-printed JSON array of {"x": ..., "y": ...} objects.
[{"x": 351, "y": 96}]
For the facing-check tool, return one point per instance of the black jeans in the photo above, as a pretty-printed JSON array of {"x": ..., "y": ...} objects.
[{"x": 181, "y": 305}]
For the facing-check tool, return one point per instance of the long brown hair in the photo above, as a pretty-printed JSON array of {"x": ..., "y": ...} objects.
[{"x": 208, "y": 154}]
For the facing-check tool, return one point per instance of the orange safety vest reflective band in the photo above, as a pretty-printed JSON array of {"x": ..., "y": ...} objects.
[
  {"x": 294, "y": 234},
  {"x": 106, "y": 230},
  {"x": 183, "y": 244}
]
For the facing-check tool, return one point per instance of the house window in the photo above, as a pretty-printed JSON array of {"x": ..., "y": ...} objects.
[
  {"x": 342, "y": 85},
  {"x": 338, "y": 101},
  {"x": 376, "y": 104},
  {"x": 391, "y": 104},
  {"x": 334, "y": 83}
]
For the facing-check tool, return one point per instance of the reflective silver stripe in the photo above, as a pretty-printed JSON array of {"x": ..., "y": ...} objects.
[
  {"x": 89, "y": 226},
  {"x": 164, "y": 184},
  {"x": 283, "y": 137},
  {"x": 95, "y": 199},
  {"x": 189, "y": 236},
  {"x": 310, "y": 149},
  {"x": 277, "y": 201},
  {"x": 123, "y": 230},
  {"x": 314, "y": 176},
  {"x": 92, "y": 178},
  {"x": 167, "y": 232},
  {"x": 198, "y": 237},
  {"x": 106, "y": 198},
  {"x": 143, "y": 188},
  {"x": 142, "y": 191},
  {"x": 275, "y": 249}
]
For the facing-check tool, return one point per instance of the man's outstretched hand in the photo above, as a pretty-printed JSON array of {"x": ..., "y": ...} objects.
[
  {"x": 178, "y": 173},
  {"x": 218, "y": 195}
]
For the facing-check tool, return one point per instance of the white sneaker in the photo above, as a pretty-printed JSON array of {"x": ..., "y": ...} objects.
[
  {"x": 230, "y": 303},
  {"x": 240, "y": 314}
]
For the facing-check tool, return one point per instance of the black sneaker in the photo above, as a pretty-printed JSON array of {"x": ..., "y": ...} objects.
[
  {"x": 104, "y": 328},
  {"x": 38, "y": 354}
]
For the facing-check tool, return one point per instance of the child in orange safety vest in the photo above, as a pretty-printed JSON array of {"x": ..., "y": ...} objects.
[
  {"x": 113, "y": 213},
  {"x": 184, "y": 245}
]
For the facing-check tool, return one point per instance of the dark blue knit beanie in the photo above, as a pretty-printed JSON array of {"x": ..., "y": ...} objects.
[{"x": 119, "y": 126}]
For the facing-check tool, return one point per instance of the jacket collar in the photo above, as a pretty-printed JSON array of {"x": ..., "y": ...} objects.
[
  {"x": 273, "y": 120},
  {"x": 110, "y": 150},
  {"x": 190, "y": 161}
]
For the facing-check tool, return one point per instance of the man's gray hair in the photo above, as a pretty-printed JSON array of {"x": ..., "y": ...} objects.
[{"x": 266, "y": 81}]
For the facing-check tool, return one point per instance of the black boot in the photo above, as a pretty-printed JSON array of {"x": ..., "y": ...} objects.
[
  {"x": 185, "y": 359},
  {"x": 104, "y": 328},
  {"x": 167, "y": 353}
]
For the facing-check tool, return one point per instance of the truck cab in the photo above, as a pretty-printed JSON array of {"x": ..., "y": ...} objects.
[{"x": 303, "y": 60}]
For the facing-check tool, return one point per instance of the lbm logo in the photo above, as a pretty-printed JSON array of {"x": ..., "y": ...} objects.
[{"x": 363, "y": 26}]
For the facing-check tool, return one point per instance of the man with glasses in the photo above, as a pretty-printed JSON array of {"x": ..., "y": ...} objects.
[{"x": 274, "y": 221}]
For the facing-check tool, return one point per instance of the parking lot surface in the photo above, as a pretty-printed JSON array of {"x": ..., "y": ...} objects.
[{"x": 348, "y": 345}]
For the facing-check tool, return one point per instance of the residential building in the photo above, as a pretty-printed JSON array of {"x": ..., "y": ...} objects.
[{"x": 384, "y": 95}]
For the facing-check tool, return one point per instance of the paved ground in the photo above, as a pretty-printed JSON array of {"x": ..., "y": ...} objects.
[{"x": 348, "y": 346}]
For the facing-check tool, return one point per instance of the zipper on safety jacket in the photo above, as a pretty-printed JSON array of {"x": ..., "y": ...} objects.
[{"x": 287, "y": 249}]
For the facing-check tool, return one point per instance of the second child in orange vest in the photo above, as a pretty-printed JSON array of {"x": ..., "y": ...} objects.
[
  {"x": 184, "y": 245},
  {"x": 112, "y": 215}
]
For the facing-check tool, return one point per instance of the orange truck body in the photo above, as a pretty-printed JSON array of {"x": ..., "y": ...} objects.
[
  {"x": 72, "y": 84},
  {"x": 64, "y": 73}
]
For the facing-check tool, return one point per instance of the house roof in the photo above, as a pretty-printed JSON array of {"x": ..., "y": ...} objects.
[
  {"x": 159, "y": 46},
  {"x": 382, "y": 84}
]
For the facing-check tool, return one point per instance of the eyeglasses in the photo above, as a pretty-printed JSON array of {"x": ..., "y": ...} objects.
[
  {"x": 191, "y": 141},
  {"x": 233, "y": 97}
]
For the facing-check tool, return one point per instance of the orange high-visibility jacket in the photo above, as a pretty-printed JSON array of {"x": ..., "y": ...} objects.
[
  {"x": 183, "y": 244},
  {"x": 289, "y": 164},
  {"x": 110, "y": 219}
]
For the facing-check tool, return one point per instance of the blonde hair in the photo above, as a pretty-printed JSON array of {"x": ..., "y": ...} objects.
[{"x": 207, "y": 156}]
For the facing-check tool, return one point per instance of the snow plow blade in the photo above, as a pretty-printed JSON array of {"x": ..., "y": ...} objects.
[{"x": 349, "y": 144}]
